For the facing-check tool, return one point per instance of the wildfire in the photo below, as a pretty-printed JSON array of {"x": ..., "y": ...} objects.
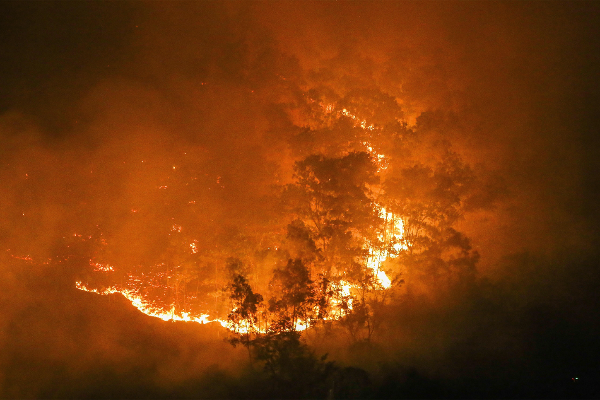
[
  {"x": 148, "y": 292},
  {"x": 102, "y": 267},
  {"x": 146, "y": 307},
  {"x": 379, "y": 158},
  {"x": 344, "y": 293},
  {"x": 391, "y": 237},
  {"x": 360, "y": 122}
]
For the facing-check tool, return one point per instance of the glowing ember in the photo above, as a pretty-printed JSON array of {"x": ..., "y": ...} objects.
[
  {"x": 360, "y": 122},
  {"x": 176, "y": 228},
  {"x": 379, "y": 158},
  {"x": 102, "y": 267}
]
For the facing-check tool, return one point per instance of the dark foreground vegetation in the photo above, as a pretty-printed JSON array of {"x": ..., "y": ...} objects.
[{"x": 492, "y": 342}]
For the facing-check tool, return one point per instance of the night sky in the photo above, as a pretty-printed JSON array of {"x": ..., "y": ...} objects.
[{"x": 103, "y": 103}]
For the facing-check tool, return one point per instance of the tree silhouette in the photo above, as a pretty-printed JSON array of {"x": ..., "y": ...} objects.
[
  {"x": 431, "y": 199},
  {"x": 243, "y": 320},
  {"x": 295, "y": 301},
  {"x": 332, "y": 198},
  {"x": 338, "y": 227}
]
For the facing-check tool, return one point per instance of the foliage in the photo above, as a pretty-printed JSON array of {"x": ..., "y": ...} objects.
[
  {"x": 295, "y": 300},
  {"x": 290, "y": 363},
  {"x": 339, "y": 225},
  {"x": 243, "y": 319},
  {"x": 335, "y": 210},
  {"x": 430, "y": 199},
  {"x": 369, "y": 192},
  {"x": 287, "y": 361}
]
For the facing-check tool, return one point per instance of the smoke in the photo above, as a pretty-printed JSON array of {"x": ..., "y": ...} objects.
[{"x": 128, "y": 118}]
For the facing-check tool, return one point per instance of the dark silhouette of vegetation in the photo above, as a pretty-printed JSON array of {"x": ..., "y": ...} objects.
[{"x": 243, "y": 319}]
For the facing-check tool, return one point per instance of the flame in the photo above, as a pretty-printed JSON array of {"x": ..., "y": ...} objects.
[
  {"x": 392, "y": 235},
  {"x": 344, "y": 289},
  {"x": 394, "y": 226},
  {"x": 380, "y": 159},
  {"x": 391, "y": 240},
  {"x": 146, "y": 307},
  {"x": 360, "y": 122},
  {"x": 102, "y": 267}
]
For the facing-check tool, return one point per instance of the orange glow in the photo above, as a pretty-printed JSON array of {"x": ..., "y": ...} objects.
[
  {"x": 360, "y": 122},
  {"x": 147, "y": 308},
  {"x": 392, "y": 235},
  {"x": 140, "y": 289},
  {"x": 102, "y": 267}
]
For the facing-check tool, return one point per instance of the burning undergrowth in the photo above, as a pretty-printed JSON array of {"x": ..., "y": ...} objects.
[{"x": 345, "y": 215}]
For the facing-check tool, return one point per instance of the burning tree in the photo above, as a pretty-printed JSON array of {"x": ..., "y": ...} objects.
[
  {"x": 332, "y": 197},
  {"x": 338, "y": 231},
  {"x": 372, "y": 200}
]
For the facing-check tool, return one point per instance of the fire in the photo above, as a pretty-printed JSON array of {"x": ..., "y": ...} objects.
[
  {"x": 146, "y": 307},
  {"x": 392, "y": 235},
  {"x": 360, "y": 122},
  {"x": 102, "y": 267},
  {"x": 176, "y": 228},
  {"x": 379, "y": 158},
  {"x": 146, "y": 292},
  {"x": 345, "y": 293}
]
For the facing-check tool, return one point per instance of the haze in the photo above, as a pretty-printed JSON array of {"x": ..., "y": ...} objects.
[{"x": 120, "y": 121}]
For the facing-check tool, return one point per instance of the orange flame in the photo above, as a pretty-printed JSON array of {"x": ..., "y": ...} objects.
[{"x": 146, "y": 307}]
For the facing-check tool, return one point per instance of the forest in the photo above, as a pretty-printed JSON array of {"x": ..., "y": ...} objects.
[{"x": 299, "y": 200}]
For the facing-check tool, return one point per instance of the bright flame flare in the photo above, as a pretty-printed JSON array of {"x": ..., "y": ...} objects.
[{"x": 391, "y": 237}]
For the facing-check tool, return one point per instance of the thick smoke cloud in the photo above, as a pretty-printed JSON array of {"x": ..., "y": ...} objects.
[
  {"x": 103, "y": 103},
  {"x": 513, "y": 76}
]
